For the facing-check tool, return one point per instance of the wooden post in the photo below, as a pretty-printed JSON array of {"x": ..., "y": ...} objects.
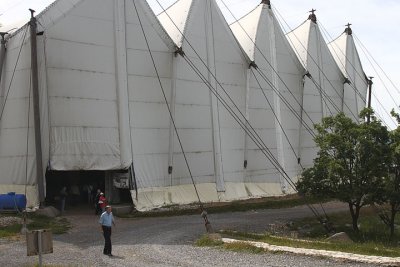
[
  {"x": 36, "y": 108},
  {"x": 40, "y": 248}
]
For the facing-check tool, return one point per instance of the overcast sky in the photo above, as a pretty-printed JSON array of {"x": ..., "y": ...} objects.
[{"x": 376, "y": 23}]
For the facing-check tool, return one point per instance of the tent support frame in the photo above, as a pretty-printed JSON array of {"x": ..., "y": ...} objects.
[
  {"x": 215, "y": 122},
  {"x": 171, "y": 125},
  {"x": 2, "y": 52},
  {"x": 36, "y": 108},
  {"x": 247, "y": 114}
]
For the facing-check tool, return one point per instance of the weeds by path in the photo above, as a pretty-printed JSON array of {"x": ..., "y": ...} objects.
[
  {"x": 206, "y": 241},
  {"x": 235, "y": 206},
  {"x": 372, "y": 239},
  {"x": 35, "y": 222}
]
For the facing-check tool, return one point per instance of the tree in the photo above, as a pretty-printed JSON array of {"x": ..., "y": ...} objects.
[
  {"x": 350, "y": 164},
  {"x": 391, "y": 193}
]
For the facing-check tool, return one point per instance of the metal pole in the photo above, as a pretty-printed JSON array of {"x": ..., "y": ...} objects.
[
  {"x": 133, "y": 182},
  {"x": 2, "y": 52},
  {"x": 36, "y": 107},
  {"x": 370, "y": 83},
  {"x": 40, "y": 247}
]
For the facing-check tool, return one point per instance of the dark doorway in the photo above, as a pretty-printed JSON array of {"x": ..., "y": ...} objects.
[{"x": 81, "y": 186}]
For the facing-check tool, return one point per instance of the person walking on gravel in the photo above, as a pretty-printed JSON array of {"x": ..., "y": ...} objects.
[{"x": 106, "y": 221}]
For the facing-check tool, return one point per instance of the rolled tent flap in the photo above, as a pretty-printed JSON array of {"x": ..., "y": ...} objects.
[{"x": 83, "y": 86}]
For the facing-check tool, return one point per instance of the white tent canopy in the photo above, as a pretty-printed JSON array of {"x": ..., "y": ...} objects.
[
  {"x": 263, "y": 40},
  {"x": 345, "y": 53},
  {"x": 323, "y": 87},
  {"x": 102, "y": 102}
]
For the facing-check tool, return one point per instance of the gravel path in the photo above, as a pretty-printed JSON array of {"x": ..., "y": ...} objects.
[{"x": 157, "y": 242}]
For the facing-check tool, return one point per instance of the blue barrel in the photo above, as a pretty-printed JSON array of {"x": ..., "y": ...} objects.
[{"x": 12, "y": 201}]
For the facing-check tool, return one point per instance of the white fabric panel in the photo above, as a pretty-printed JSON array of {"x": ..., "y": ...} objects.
[
  {"x": 247, "y": 37},
  {"x": 152, "y": 26},
  {"x": 231, "y": 69},
  {"x": 121, "y": 74},
  {"x": 59, "y": 9},
  {"x": 148, "y": 112},
  {"x": 82, "y": 89},
  {"x": 17, "y": 161},
  {"x": 314, "y": 53},
  {"x": 154, "y": 197},
  {"x": 262, "y": 38},
  {"x": 44, "y": 105},
  {"x": 193, "y": 119},
  {"x": 203, "y": 23},
  {"x": 290, "y": 84},
  {"x": 175, "y": 18},
  {"x": 345, "y": 53},
  {"x": 324, "y": 98},
  {"x": 193, "y": 113}
]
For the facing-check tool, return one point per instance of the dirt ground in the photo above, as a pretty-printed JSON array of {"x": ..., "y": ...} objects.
[{"x": 164, "y": 241}]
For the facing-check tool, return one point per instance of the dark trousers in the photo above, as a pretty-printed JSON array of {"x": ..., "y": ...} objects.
[{"x": 107, "y": 240}]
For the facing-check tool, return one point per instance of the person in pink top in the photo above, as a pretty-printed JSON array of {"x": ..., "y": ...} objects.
[{"x": 102, "y": 202}]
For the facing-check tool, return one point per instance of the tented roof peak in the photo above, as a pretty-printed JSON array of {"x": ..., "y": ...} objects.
[
  {"x": 348, "y": 30},
  {"x": 312, "y": 16},
  {"x": 266, "y": 2}
]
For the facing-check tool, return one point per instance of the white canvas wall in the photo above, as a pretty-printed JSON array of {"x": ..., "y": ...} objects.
[
  {"x": 17, "y": 145},
  {"x": 82, "y": 89},
  {"x": 213, "y": 141},
  {"x": 102, "y": 107}
]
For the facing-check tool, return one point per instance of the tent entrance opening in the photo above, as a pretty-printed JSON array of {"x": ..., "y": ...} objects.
[{"x": 81, "y": 186}]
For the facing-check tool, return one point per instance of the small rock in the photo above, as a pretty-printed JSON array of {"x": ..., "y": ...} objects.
[
  {"x": 340, "y": 237},
  {"x": 49, "y": 211},
  {"x": 290, "y": 224}
]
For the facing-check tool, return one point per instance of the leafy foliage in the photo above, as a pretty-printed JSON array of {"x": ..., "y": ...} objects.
[
  {"x": 391, "y": 194},
  {"x": 351, "y": 163}
]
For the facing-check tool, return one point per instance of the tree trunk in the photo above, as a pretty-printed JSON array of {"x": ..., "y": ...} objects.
[
  {"x": 392, "y": 218},
  {"x": 354, "y": 215}
]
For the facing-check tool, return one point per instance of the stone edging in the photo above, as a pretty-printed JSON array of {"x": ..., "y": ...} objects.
[{"x": 386, "y": 261}]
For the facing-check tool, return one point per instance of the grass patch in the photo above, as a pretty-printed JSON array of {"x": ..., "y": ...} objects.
[
  {"x": 56, "y": 225},
  {"x": 206, "y": 241},
  {"x": 235, "y": 206},
  {"x": 46, "y": 265},
  {"x": 373, "y": 238},
  {"x": 36, "y": 222},
  {"x": 372, "y": 229},
  {"x": 369, "y": 248},
  {"x": 10, "y": 231},
  {"x": 243, "y": 247}
]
